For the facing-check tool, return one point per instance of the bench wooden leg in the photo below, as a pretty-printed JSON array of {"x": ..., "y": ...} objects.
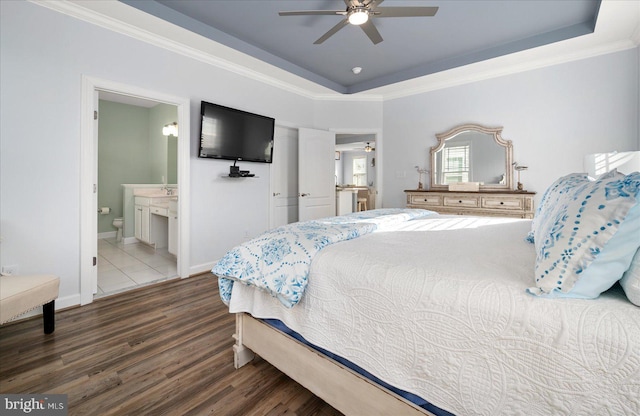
[{"x": 48, "y": 312}]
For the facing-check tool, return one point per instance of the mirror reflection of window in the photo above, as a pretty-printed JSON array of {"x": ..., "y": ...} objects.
[
  {"x": 455, "y": 164},
  {"x": 360, "y": 171},
  {"x": 472, "y": 153}
]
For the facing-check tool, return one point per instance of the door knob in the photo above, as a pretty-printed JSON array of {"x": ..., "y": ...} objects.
[
  {"x": 276, "y": 193},
  {"x": 305, "y": 194}
]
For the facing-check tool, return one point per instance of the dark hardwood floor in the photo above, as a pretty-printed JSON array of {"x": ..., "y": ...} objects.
[{"x": 163, "y": 350}]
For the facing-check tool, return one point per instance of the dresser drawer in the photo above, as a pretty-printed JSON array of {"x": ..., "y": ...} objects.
[
  {"x": 502, "y": 203},
  {"x": 483, "y": 203},
  {"x": 460, "y": 201},
  {"x": 435, "y": 200}
]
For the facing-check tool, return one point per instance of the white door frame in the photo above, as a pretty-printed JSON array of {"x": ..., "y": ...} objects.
[
  {"x": 379, "y": 157},
  {"x": 88, "y": 178}
]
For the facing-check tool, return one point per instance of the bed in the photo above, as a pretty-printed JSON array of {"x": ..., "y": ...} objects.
[{"x": 444, "y": 313}]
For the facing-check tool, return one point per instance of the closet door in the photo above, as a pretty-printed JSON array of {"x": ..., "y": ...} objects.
[
  {"x": 284, "y": 177},
  {"x": 316, "y": 174}
]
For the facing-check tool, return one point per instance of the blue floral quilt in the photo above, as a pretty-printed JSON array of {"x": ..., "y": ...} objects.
[{"x": 279, "y": 260}]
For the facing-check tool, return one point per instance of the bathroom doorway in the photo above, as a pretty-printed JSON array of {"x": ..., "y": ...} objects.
[
  {"x": 145, "y": 257},
  {"x": 134, "y": 156}
]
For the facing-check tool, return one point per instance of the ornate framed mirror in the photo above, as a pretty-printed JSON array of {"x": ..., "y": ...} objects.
[{"x": 472, "y": 153}]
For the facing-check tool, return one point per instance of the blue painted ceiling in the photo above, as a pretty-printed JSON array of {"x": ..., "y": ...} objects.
[{"x": 462, "y": 32}]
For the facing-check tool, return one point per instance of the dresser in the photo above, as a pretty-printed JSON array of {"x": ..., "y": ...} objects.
[{"x": 513, "y": 204}]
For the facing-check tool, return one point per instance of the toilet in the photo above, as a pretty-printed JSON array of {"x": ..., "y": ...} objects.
[{"x": 117, "y": 222}]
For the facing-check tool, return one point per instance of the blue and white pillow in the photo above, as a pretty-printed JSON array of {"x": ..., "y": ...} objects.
[
  {"x": 552, "y": 196},
  {"x": 630, "y": 281},
  {"x": 585, "y": 240}
]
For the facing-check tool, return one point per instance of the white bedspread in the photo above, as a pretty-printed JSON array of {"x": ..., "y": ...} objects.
[{"x": 438, "y": 307}]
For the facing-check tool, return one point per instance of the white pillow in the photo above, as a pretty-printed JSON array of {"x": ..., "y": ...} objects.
[
  {"x": 587, "y": 238},
  {"x": 630, "y": 281}
]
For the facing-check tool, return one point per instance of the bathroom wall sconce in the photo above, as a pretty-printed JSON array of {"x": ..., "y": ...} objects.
[{"x": 170, "y": 129}]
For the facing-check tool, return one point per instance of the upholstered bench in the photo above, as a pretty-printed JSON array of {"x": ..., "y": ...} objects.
[{"x": 20, "y": 294}]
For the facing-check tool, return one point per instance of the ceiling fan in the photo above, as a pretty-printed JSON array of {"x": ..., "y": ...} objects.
[{"x": 359, "y": 12}]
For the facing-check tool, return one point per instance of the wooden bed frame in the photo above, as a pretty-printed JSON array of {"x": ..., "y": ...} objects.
[{"x": 341, "y": 387}]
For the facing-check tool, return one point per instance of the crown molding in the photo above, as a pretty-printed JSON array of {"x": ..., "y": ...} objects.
[
  {"x": 124, "y": 19},
  {"x": 85, "y": 11},
  {"x": 494, "y": 69}
]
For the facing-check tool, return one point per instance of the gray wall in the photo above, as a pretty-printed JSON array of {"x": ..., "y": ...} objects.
[{"x": 554, "y": 116}]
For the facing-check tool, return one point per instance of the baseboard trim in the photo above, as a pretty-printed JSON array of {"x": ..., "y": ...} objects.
[{"x": 201, "y": 268}]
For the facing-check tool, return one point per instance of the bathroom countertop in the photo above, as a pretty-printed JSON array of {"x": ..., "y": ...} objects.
[
  {"x": 154, "y": 193},
  {"x": 157, "y": 200}
]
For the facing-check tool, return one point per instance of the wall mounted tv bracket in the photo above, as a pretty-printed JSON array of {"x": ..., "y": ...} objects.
[{"x": 235, "y": 172}]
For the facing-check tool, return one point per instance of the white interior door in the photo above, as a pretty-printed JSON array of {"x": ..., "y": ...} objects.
[
  {"x": 284, "y": 176},
  {"x": 316, "y": 174},
  {"x": 89, "y": 196}
]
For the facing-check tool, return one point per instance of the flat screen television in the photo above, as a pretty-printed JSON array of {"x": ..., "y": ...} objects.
[{"x": 227, "y": 133}]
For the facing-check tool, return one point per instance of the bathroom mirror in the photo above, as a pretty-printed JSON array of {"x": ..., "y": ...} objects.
[
  {"x": 172, "y": 159},
  {"x": 472, "y": 153}
]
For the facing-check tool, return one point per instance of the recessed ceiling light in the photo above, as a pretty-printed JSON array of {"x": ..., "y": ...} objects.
[{"x": 356, "y": 70}]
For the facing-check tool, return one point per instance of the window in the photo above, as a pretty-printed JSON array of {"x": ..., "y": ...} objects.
[
  {"x": 455, "y": 164},
  {"x": 360, "y": 171}
]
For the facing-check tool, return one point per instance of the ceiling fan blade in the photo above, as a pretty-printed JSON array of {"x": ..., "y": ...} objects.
[
  {"x": 313, "y": 13},
  {"x": 405, "y": 11},
  {"x": 372, "y": 32},
  {"x": 332, "y": 31}
]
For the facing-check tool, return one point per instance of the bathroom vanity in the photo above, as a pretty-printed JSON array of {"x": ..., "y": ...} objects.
[
  {"x": 155, "y": 218},
  {"x": 173, "y": 226},
  {"x": 152, "y": 220}
]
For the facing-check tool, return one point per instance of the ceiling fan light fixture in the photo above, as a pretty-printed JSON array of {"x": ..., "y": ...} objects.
[
  {"x": 368, "y": 148},
  {"x": 358, "y": 16}
]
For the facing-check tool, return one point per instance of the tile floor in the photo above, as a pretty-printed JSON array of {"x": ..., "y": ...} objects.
[{"x": 127, "y": 266}]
